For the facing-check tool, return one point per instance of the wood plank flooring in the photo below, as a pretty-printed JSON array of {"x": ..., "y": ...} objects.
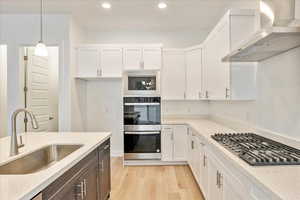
[{"x": 153, "y": 182}]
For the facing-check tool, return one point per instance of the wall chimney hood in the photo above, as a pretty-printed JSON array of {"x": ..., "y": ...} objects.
[{"x": 275, "y": 36}]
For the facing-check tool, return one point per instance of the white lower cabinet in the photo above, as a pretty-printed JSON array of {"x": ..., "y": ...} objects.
[
  {"x": 215, "y": 181},
  {"x": 174, "y": 143}
]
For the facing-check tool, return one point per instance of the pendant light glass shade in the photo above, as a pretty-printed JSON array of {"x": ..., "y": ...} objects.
[{"x": 41, "y": 49}]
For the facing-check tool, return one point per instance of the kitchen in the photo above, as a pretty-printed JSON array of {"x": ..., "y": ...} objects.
[{"x": 150, "y": 97}]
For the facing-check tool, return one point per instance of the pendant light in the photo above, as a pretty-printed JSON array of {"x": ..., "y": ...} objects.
[{"x": 41, "y": 49}]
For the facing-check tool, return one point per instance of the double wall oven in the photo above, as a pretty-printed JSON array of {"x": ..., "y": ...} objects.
[{"x": 142, "y": 128}]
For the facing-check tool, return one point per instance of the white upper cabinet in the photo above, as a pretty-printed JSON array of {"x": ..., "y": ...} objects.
[
  {"x": 133, "y": 58},
  {"x": 99, "y": 62},
  {"x": 194, "y": 74},
  {"x": 173, "y": 75},
  {"x": 139, "y": 58},
  {"x": 111, "y": 62},
  {"x": 152, "y": 58},
  {"x": 229, "y": 81},
  {"x": 88, "y": 62}
]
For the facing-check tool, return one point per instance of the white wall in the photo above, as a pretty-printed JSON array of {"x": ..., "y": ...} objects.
[
  {"x": 105, "y": 111},
  {"x": 3, "y": 91},
  {"x": 78, "y": 87},
  {"x": 176, "y": 39},
  {"x": 185, "y": 108},
  {"x": 23, "y": 30},
  {"x": 277, "y": 105}
]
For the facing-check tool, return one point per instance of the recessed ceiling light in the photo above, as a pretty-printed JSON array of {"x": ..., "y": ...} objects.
[
  {"x": 106, "y": 5},
  {"x": 162, "y": 5}
]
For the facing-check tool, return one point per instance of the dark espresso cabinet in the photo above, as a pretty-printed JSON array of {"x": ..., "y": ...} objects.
[
  {"x": 104, "y": 171},
  {"x": 87, "y": 180}
]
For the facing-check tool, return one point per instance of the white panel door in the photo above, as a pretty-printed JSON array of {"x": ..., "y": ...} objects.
[
  {"x": 167, "y": 144},
  {"x": 173, "y": 75},
  {"x": 214, "y": 191},
  {"x": 111, "y": 62},
  {"x": 88, "y": 62},
  {"x": 194, "y": 74},
  {"x": 38, "y": 90},
  {"x": 180, "y": 143},
  {"x": 132, "y": 58},
  {"x": 152, "y": 58}
]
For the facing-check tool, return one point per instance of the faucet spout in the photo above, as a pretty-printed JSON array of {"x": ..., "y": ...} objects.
[{"x": 14, "y": 147}]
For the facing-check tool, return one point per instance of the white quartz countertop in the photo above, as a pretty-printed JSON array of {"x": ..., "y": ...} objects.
[
  {"x": 24, "y": 187},
  {"x": 282, "y": 181}
]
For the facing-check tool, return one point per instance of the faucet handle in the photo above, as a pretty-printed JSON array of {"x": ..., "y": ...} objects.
[{"x": 21, "y": 142}]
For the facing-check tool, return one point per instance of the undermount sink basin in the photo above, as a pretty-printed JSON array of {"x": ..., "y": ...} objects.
[{"x": 38, "y": 160}]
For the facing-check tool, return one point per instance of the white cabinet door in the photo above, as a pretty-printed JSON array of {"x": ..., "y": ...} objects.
[
  {"x": 173, "y": 75},
  {"x": 215, "y": 192},
  {"x": 190, "y": 147},
  {"x": 180, "y": 143},
  {"x": 111, "y": 62},
  {"x": 88, "y": 62},
  {"x": 194, "y": 74},
  {"x": 230, "y": 192},
  {"x": 152, "y": 58},
  {"x": 132, "y": 58},
  {"x": 221, "y": 69},
  {"x": 167, "y": 144}
]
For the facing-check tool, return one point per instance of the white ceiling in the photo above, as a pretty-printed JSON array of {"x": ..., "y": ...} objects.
[{"x": 136, "y": 15}]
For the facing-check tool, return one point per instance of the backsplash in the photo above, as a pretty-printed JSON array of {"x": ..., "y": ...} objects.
[{"x": 185, "y": 108}]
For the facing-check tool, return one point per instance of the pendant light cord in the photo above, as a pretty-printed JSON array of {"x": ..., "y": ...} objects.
[{"x": 42, "y": 6}]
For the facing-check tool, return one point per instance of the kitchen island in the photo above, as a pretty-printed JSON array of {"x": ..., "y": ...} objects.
[{"x": 26, "y": 186}]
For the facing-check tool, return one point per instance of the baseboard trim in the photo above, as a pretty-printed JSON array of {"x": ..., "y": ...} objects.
[{"x": 152, "y": 162}]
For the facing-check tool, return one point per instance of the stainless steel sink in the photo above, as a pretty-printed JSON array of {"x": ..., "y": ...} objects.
[{"x": 38, "y": 160}]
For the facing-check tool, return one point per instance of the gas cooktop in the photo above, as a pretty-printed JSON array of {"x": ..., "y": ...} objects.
[{"x": 257, "y": 150}]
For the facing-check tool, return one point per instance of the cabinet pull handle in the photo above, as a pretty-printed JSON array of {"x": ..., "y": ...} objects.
[
  {"x": 192, "y": 144},
  {"x": 81, "y": 192},
  {"x": 204, "y": 160},
  {"x": 227, "y": 93},
  {"x": 220, "y": 180},
  {"x": 84, "y": 184},
  {"x": 206, "y": 94},
  {"x": 217, "y": 183},
  {"x": 102, "y": 166}
]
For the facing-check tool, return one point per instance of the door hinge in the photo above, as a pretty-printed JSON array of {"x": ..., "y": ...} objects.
[{"x": 25, "y": 89}]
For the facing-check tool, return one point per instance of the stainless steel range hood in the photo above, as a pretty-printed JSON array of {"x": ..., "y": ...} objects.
[{"x": 275, "y": 37}]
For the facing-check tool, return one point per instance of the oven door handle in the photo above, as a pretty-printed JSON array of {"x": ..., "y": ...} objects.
[
  {"x": 142, "y": 133},
  {"x": 141, "y": 104}
]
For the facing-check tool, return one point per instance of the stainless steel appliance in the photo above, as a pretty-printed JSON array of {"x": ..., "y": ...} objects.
[
  {"x": 142, "y": 128},
  {"x": 142, "y": 83},
  {"x": 280, "y": 32},
  {"x": 257, "y": 150}
]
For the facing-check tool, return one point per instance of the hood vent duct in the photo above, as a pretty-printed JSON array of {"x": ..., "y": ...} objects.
[{"x": 275, "y": 36}]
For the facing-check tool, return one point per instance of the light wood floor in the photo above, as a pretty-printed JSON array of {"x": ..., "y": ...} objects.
[{"x": 153, "y": 183}]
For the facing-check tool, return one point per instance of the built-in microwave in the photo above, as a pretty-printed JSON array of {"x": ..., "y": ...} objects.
[{"x": 142, "y": 83}]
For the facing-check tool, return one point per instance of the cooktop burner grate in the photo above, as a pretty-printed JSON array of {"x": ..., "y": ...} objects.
[{"x": 257, "y": 150}]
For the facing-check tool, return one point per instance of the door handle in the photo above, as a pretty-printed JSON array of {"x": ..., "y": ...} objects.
[{"x": 51, "y": 118}]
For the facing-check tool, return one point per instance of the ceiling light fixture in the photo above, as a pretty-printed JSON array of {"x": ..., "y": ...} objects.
[
  {"x": 106, "y": 5},
  {"x": 162, "y": 5},
  {"x": 41, "y": 49}
]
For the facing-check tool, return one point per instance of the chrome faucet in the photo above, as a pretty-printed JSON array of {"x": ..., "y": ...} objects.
[{"x": 14, "y": 146}]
